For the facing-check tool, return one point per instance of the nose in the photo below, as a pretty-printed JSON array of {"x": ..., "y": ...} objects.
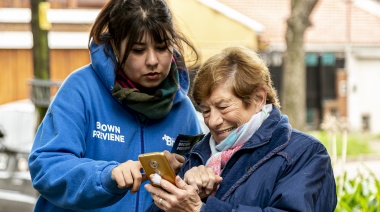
[
  {"x": 152, "y": 59},
  {"x": 215, "y": 119}
]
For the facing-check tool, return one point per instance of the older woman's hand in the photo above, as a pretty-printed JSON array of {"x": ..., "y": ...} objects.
[
  {"x": 178, "y": 197},
  {"x": 203, "y": 179}
]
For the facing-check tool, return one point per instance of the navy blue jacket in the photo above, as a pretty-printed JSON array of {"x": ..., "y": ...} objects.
[{"x": 277, "y": 169}]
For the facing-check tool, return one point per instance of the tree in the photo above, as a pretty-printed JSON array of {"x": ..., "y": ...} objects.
[
  {"x": 294, "y": 76},
  {"x": 41, "y": 57}
]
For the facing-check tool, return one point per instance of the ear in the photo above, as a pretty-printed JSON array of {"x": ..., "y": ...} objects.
[{"x": 260, "y": 98}]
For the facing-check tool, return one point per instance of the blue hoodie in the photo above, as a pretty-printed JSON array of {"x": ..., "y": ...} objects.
[{"x": 87, "y": 132}]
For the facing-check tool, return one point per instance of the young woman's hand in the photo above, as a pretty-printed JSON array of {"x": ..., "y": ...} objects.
[
  {"x": 178, "y": 197},
  {"x": 128, "y": 174},
  {"x": 203, "y": 179},
  {"x": 175, "y": 160}
]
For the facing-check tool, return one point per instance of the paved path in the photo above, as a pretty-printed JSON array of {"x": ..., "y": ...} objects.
[
  {"x": 361, "y": 164},
  {"x": 353, "y": 168}
]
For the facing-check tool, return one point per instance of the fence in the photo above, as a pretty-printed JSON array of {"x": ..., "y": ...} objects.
[{"x": 17, "y": 70}]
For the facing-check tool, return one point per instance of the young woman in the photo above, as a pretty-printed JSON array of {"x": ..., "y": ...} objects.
[
  {"x": 131, "y": 99},
  {"x": 252, "y": 159}
]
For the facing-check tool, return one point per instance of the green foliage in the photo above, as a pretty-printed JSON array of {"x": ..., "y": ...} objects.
[
  {"x": 359, "y": 194},
  {"x": 377, "y": 137},
  {"x": 357, "y": 144}
]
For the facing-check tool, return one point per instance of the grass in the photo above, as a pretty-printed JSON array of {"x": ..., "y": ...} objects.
[{"x": 357, "y": 144}]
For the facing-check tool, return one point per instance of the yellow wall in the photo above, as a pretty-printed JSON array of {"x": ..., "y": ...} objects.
[{"x": 210, "y": 30}]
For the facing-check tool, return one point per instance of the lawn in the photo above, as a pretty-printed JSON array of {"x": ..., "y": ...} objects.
[{"x": 357, "y": 143}]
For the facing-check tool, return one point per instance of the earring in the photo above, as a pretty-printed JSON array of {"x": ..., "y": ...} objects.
[
  {"x": 115, "y": 51},
  {"x": 116, "y": 57}
]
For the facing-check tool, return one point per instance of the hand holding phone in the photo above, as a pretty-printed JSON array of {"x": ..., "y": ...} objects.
[{"x": 157, "y": 163}]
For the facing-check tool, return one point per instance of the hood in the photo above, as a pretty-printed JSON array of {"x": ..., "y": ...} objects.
[{"x": 104, "y": 67}]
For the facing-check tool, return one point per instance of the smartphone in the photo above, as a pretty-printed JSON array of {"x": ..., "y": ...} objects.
[{"x": 156, "y": 162}]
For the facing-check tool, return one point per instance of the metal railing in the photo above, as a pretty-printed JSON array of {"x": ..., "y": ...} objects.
[{"x": 41, "y": 91}]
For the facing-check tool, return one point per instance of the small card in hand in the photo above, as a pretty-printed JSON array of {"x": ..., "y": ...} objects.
[{"x": 183, "y": 143}]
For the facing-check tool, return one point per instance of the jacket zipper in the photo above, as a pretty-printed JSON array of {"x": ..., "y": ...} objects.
[{"x": 142, "y": 151}]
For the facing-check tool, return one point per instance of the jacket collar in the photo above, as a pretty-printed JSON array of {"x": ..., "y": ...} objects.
[{"x": 273, "y": 128}]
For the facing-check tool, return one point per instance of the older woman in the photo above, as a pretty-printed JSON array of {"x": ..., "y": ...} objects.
[{"x": 252, "y": 159}]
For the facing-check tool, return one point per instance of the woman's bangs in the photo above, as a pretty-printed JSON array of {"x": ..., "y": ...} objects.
[{"x": 159, "y": 35}]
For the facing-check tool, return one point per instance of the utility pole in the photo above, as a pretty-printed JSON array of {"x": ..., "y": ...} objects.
[{"x": 40, "y": 84}]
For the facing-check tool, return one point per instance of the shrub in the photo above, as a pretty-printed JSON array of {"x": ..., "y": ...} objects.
[{"x": 359, "y": 194}]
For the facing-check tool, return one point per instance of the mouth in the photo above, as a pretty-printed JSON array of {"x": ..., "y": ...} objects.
[
  {"x": 153, "y": 75},
  {"x": 225, "y": 131},
  {"x": 220, "y": 135}
]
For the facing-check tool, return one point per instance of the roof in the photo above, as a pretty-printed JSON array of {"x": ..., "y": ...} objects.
[
  {"x": 57, "y": 39},
  {"x": 334, "y": 22},
  {"x": 72, "y": 16},
  {"x": 233, "y": 14}
]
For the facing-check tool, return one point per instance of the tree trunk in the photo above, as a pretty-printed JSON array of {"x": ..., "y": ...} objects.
[
  {"x": 41, "y": 56},
  {"x": 294, "y": 77}
]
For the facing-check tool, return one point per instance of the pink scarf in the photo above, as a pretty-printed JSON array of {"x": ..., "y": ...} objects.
[
  {"x": 217, "y": 163},
  {"x": 221, "y": 153}
]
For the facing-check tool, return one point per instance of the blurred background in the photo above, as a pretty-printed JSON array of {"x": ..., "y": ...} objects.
[{"x": 323, "y": 55}]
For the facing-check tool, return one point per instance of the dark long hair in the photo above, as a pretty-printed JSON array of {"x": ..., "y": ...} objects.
[{"x": 120, "y": 19}]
